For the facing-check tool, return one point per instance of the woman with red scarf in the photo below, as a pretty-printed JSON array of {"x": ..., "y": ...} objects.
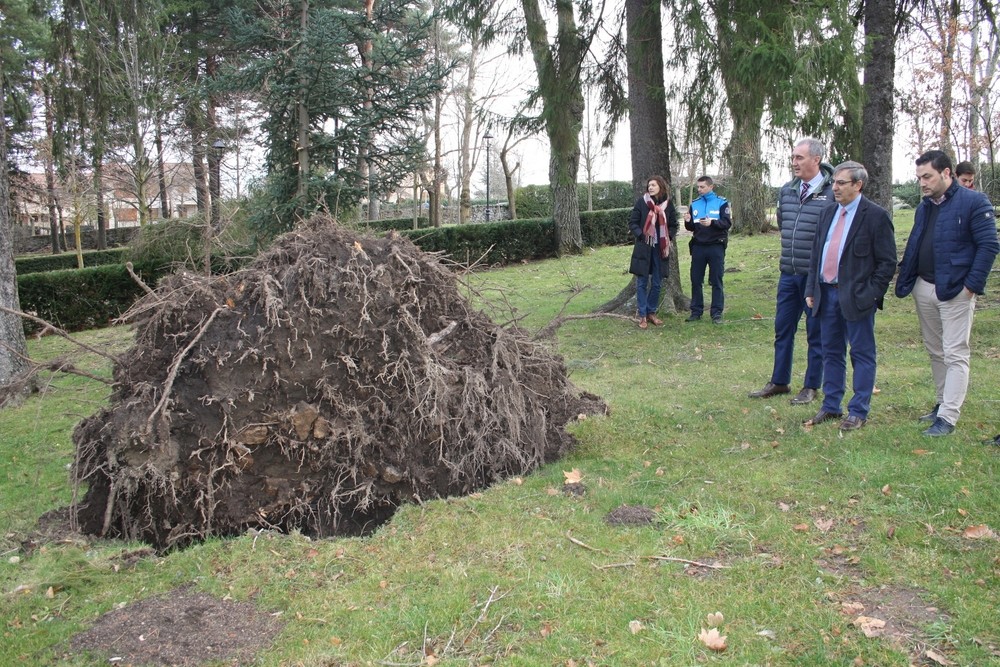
[{"x": 653, "y": 222}]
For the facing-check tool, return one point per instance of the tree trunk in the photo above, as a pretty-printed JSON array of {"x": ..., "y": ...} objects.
[
  {"x": 195, "y": 124},
  {"x": 949, "y": 37},
  {"x": 559, "y": 82},
  {"x": 647, "y": 121},
  {"x": 748, "y": 196},
  {"x": 879, "y": 81},
  {"x": 102, "y": 212},
  {"x": 302, "y": 116},
  {"x": 508, "y": 179},
  {"x": 160, "y": 171},
  {"x": 466, "y": 148},
  {"x": 13, "y": 349},
  {"x": 50, "y": 174},
  {"x": 647, "y": 118}
]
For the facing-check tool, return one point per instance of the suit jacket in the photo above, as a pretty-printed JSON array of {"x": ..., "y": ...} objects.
[{"x": 867, "y": 263}]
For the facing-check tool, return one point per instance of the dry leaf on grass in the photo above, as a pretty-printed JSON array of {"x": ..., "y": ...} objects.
[
  {"x": 978, "y": 532},
  {"x": 712, "y": 639},
  {"x": 886, "y": 490},
  {"x": 824, "y": 525},
  {"x": 871, "y": 627},
  {"x": 635, "y": 627},
  {"x": 851, "y": 608},
  {"x": 546, "y": 629},
  {"x": 931, "y": 654},
  {"x": 715, "y": 619},
  {"x": 573, "y": 476},
  {"x": 801, "y": 528}
]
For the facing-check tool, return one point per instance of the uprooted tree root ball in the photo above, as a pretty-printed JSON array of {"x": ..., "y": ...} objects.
[{"x": 334, "y": 379}]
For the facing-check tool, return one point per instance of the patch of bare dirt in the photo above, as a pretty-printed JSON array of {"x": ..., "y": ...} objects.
[
  {"x": 631, "y": 515},
  {"x": 336, "y": 378},
  {"x": 182, "y": 628},
  {"x": 898, "y": 615}
]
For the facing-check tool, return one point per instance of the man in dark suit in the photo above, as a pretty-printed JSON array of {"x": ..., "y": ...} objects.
[{"x": 853, "y": 260}]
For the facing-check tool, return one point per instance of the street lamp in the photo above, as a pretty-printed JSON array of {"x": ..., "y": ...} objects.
[
  {"x": 214, "y": 185},
  {"x": 488, "y": 137}
]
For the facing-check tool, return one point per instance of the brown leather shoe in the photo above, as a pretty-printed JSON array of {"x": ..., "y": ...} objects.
[
  {"x": 822, "y": 416},
  {"x": 654, "y": 320},
  {"x": 852, "y": 423},
  {"x": 807, "y": 395},
  {"x": 770, "y": 389},
  {"x": 642, "y": 323}
]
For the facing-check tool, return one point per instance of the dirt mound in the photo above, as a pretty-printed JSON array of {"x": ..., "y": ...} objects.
[
  {"x": 631, "y": 515},
  {"x": 181, "y": 628},
  {"x": 334, "y": 379}
]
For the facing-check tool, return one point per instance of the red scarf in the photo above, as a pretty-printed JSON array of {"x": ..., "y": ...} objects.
[{"x": 656, "y": 220}]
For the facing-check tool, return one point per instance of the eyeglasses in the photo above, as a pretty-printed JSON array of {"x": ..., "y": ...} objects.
[{"x": 842, "y": 183}]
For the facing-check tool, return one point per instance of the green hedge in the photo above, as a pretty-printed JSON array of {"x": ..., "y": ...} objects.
[
  {"x": 517, "y": 240},
  {"x": 399, "y": 224},
  {"x": 79, "y": 299},
  {"x": 607, "y": 227},
  {"x": 511, "y": 241},
  {"x": 67, "y": 260},
  {"x": 535, "y": 201}
]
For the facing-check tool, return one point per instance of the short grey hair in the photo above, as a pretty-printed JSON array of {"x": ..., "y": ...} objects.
[
  {"x": 856, "y": 169},
  {"x": 816, "y": 147}
]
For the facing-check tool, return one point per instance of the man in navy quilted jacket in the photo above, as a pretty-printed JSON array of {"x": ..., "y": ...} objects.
[{"x": 947, "y": 260}]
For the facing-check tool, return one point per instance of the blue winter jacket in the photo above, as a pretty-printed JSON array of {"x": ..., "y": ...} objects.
[
  {"x": 965, "y": 244},
  {"x": 709, "y": 205}
]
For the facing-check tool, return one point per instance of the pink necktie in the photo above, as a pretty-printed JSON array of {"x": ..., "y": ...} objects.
[
  {"x": 833, "y": 250},
  {"x": 805, "y": 191}
]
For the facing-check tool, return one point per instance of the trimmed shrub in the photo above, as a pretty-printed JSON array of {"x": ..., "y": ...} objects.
[
  {"x": 519, "y": 240},
  {"x": 67, "y": 260},
  {"x": 399, "y": 224},
  {"x": 608, "y": 227},
  {"x": 81, "y": 298},
  {"x": 511, "y": 241},
  {"x": 535, "y": 201}
]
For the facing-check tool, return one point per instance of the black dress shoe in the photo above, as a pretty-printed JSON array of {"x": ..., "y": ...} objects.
[
  {"x": 822, "y": 416},
  {"x": 807, "y": 395},
  {"x": 852, "y": 423},
  {"x": 770, "y": 389},
  {"x": 930, "y": 416},
  {"x": 693, "y": 318}
]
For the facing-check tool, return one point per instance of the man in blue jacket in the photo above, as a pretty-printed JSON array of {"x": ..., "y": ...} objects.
[
  {"x": 945, "y": 265},
  {"x": 709, "y": 219}
]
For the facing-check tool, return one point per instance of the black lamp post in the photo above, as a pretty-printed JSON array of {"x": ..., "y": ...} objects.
[
  {"x": 488, "y": 137},
  {"x": 214, "y": 184}
]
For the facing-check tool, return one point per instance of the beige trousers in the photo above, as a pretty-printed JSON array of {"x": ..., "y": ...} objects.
[{"x": 946, "y": 327}]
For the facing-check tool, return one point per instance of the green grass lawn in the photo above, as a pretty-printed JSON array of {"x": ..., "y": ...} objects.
[{"x": 791, "y": 527}]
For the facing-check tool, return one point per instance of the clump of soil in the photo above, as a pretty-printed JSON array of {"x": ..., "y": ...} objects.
[
  {"x": 332, "y": 380},
  {"x": 182, "y": 628},
  {"x": 631, "y": 515}
]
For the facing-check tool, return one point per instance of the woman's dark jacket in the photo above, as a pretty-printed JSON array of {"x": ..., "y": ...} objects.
[{"x": 642, "y": 252}]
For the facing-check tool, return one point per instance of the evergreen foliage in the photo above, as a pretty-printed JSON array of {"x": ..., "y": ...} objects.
[
  {"x": 793, "y": 61},
  {"x": 362, "y": 109}
]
